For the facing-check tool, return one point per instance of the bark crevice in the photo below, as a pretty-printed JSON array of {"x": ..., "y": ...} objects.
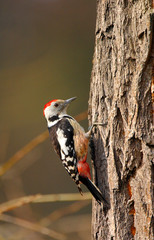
[{"x": 121, "y": 94}]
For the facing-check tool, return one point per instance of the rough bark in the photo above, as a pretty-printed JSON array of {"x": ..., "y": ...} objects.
[{"x": 120, "y": 93}]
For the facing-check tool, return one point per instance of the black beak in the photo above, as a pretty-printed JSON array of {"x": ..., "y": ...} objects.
[{"x": 68, "y": 101}]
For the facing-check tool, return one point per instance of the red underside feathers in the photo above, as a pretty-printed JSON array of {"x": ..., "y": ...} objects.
[{"x": 83, "y": 168}]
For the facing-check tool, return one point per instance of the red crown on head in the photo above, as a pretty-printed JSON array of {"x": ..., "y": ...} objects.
[{"x": 47, "y": 105}]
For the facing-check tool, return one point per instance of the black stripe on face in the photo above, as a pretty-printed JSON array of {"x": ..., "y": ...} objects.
[
  {"x": 67, "y": 116},
  {"x": 53, "y": 118}
]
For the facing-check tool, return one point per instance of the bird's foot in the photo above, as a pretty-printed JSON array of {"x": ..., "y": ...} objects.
[{"x": 90, "y": 129}]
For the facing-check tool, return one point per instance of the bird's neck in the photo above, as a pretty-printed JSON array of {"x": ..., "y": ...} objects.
[{"x": 56, "y": 118}]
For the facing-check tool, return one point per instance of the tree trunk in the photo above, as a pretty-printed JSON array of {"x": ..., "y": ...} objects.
[{"x": 120, "y": 93}]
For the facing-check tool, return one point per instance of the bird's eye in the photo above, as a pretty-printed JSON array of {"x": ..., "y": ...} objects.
[{"x": 56, "y": 104}]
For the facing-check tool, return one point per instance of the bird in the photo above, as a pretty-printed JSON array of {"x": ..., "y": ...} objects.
[{"x": 70, "y": 142}]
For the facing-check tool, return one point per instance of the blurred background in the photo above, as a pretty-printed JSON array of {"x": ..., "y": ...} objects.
[{"x": 46, "y": 50}]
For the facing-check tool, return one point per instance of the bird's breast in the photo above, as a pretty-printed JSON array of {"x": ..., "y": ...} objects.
[{"x": 80, "y": 140}]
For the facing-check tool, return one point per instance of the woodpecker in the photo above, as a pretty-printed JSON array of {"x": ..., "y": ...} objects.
[{"x": 70, "y": 142}]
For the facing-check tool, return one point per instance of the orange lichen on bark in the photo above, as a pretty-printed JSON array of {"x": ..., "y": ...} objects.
[
  {"x": 132, "y": 211},
  {"x": 129, "y": 189},
  {"x": 133, "y": 230},
  {"x": 152, "y": 85},
  {"x": 152, "y": 82}
]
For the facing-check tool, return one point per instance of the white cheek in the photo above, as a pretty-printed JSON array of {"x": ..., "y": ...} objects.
[
  {"x": 47, "y": 112},
  {"x": 51, "y": 124}
]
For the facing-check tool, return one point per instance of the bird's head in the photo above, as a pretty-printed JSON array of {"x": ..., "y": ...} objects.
[{"x": 56, "y": 108}]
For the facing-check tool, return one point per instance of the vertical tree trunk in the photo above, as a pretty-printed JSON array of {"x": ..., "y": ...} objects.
[{"x": 120, "y": 93}]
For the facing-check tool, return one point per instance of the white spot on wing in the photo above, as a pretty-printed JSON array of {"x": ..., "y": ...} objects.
[
  {"x": 73, "y": 174},
  {"x": 62, "y": 155},
  {"x": 71, "y": 167},
  {"x": 62, "y": 141}
]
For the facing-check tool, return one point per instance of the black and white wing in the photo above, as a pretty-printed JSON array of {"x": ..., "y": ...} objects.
[{"x": 61, "y": 135}]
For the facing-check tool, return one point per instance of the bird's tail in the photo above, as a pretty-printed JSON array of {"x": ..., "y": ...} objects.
[{"x": 93, "y": 189}]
